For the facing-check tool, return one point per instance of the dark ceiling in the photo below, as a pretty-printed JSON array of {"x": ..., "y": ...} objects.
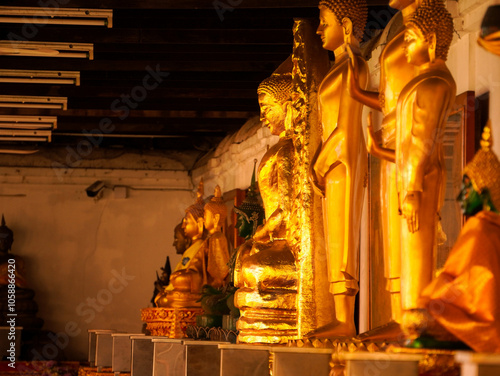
[{"x": 211, "y": 54}]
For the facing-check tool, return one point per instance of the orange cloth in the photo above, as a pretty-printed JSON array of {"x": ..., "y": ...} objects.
[{"x": 465, "y": 298}]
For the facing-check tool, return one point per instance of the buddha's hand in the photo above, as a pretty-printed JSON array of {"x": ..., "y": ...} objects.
[
  {"x": 261, "y": 233},
  {"x": 411, "y": 207}
]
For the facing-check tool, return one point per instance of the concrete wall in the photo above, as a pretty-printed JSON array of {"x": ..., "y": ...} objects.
[{"x": 92, "y": 262}]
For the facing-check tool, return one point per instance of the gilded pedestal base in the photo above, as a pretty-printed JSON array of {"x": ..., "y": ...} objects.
[
  {"x": 266, "y": 325},
  {"x": 169, "y": 322}
]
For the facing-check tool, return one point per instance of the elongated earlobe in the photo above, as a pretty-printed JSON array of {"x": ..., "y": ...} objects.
[
  {"x": 347, "y": 26},
  {"x": 432, "y": 47}
]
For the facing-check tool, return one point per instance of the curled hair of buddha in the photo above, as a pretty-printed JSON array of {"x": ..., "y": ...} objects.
[
  {"x": 432, "y": 16},
  {"x": 196, "y": 210},
  {"x": 484, "y": 169},
  {"x": 216, "y": 205},
  {"x": 278, "y": 85},
  {"x": 355, "y": 10}
]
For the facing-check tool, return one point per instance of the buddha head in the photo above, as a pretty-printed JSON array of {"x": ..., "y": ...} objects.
[
  {"x": 274, "y": 95},
  {"x": 481, "y": 179},
  {"x": 215, "y": 212},
  {"x": 181, "y": 241},
  {"x": 250, "y": 214},
  {"x": 6, "y": 237},
  {"x": 341, "y": 21},
  {"x": 429, "y": 32},
  {"x": 192, "y": 223}
]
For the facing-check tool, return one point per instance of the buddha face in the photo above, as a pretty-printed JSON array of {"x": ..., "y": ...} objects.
[
  {"x": 400, "y": 4},
  {"x": 180, "y": 241},
  {"x": 272, "y": 113},
  {"x": 190, "y": 226},
  {"x": 329, "y": 29},
  {"x": 416, "y": 47},
  {"x": 209, "y": 220},
  {"x": 470, "y": 200}
]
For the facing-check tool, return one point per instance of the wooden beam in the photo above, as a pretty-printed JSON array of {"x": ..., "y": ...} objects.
[
  {"x": 185, "y": 4},
  {"x": 158, "y": 36}
]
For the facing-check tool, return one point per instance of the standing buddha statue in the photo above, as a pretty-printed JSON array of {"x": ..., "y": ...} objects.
[
  {"x": 340, "y": 165},
  {"x": 216, "y": 251},
  {"x": 422, "y": 110},
  {"x": 395, "y": 73}
]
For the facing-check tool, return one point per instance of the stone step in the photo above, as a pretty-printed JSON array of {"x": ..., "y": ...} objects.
[
  {"x": 122, "y": 351},
  {"x": 244, "y": 360},
  {"x": 92, "y": 334},
  {"x": 478, "y": 364}
]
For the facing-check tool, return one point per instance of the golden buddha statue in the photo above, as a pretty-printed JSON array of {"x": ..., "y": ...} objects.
[
  {"x": 339, "y": 167},
  {"x": 215, "y": 249},
  {"x": 188, "y": 276},
  {"x": 422, "y": 109},
  {"x": 249, "y": 216},
  {"x": 395, "y": 73},
  {"x": 464, "y": 299},
  {"x": 266, "y": 274}
]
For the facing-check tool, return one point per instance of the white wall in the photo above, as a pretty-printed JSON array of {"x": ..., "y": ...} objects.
[
  {"x": 231, "y": 165},
  {"x": 92, "y": 263},
  {"x": 472, "y": 66}
]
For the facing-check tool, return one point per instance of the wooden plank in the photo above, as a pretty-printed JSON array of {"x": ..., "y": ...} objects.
[
  {"x": 158, "y": 36},
  {"x": 185, "y": 4},
  {"x": 207, "y": 117},
  {"x": 140, "y": 65}
]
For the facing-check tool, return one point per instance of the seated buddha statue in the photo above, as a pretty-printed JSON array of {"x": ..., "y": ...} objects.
[
  {"x": 249, "y": 216},
  {"x": 463, "y": 302},
  {"x": 267, "y": 274},
  {"x": 186, "y": 280}
]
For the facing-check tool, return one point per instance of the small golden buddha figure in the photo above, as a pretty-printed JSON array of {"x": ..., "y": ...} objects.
[
  {"x": 181, "y": 243},
  {"x": 339, "y": 167},
  {"x": 187, "y": 278},
  {"x": 216, "y": 246},
  {"x": 422, "y": 109},
  {"x": 395, "y": 73},
  {"x": 464, "y": 299},
  {"x": 266, "y": 274}
]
